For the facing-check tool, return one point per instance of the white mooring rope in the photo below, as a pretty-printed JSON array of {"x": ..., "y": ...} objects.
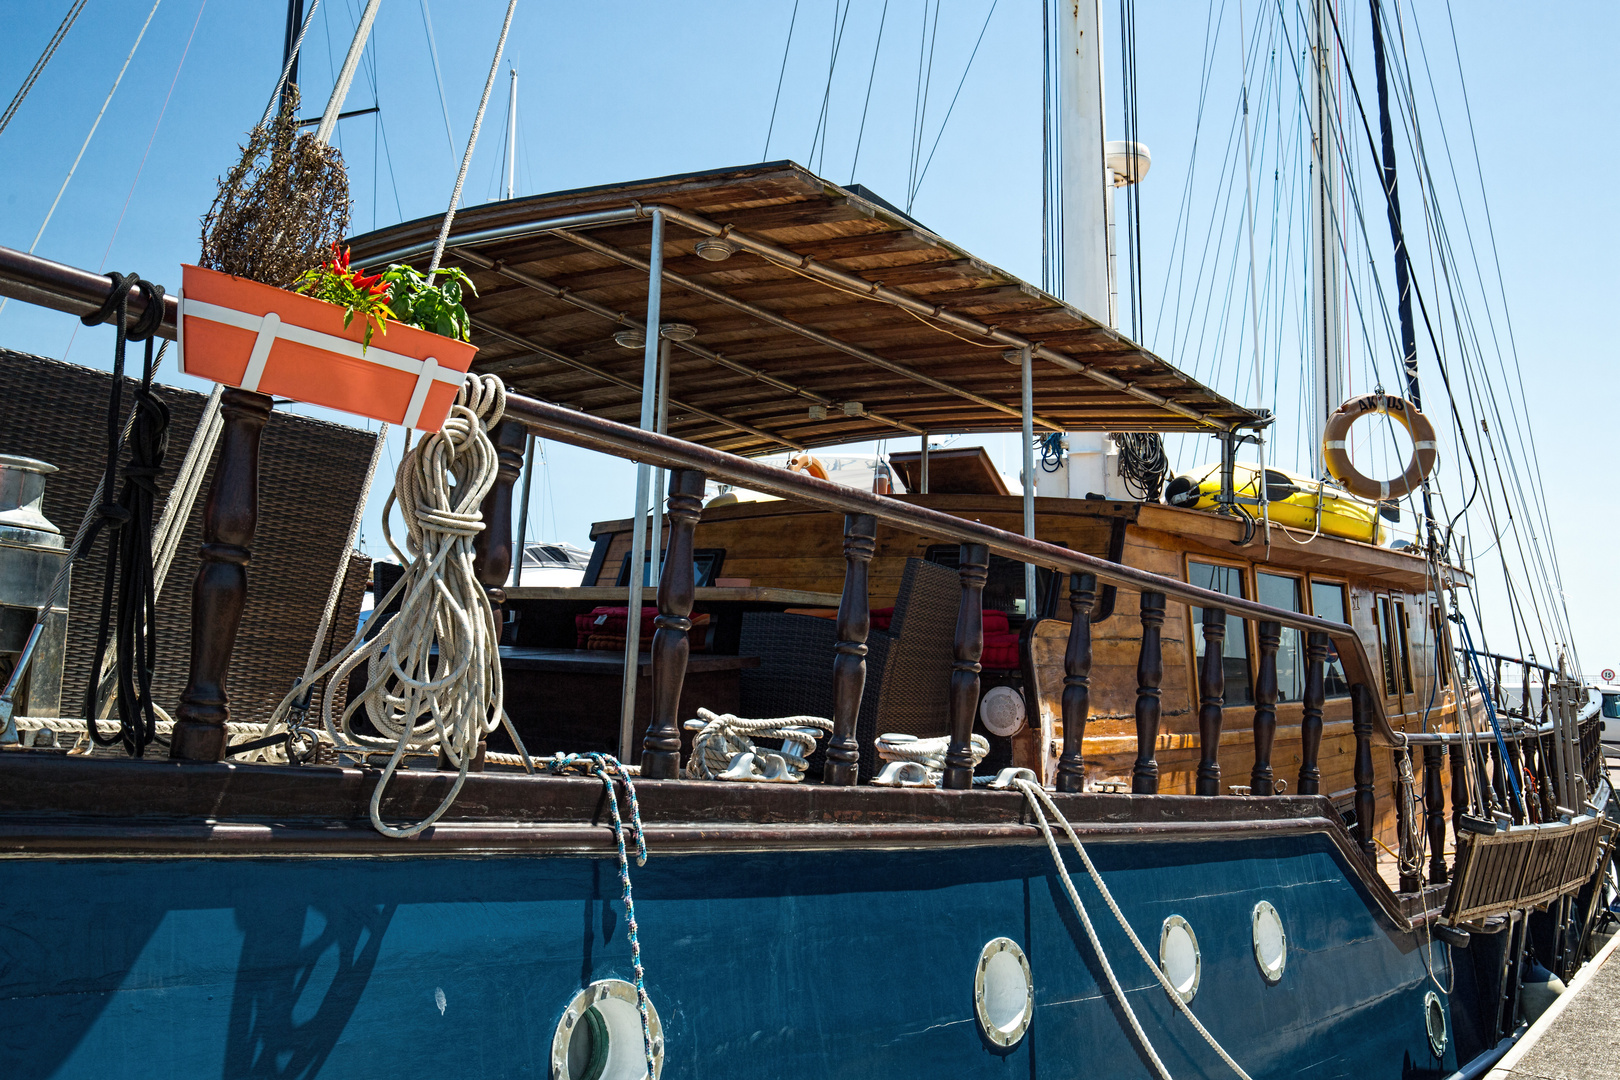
[
  {"x": 1041, "y": 803},
  {"x": 435, "y": 671},
  {"x": 724, "y": 749},
  {"x": 914, "y": 762}
]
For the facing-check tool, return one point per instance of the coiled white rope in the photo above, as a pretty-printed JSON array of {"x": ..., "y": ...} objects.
[
  {"x": 1041, "y": 803},
  {"x": 914, "y": 762},
  {"x": 724, "y": 749},
  {"x": 435, "y": 671}
]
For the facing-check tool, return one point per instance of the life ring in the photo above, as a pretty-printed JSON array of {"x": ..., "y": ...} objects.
[
  {"x": 1425, "y": 451},
  {"x": 807, "y": 462}
]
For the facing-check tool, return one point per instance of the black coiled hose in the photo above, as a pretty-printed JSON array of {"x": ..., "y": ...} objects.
[{"x": 128, "y": 521}]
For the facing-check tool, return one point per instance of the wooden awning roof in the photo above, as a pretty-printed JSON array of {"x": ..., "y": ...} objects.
[{"x": 837, "y": 318}]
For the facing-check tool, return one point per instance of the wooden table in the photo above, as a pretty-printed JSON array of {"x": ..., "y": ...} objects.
[
  {"x": 569, "y": 699},
  {"x": 545, "y": 613}
]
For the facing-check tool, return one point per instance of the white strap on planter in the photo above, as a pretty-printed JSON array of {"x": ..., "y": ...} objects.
[{"x": 270, "y": 327}]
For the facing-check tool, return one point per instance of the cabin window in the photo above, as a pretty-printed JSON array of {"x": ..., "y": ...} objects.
[
  {"x": 1228, "y": 580},
  {"x": 1442, "y": 655},
  {"x": 1278, "y": 591},
  {"x": 1327, "y": 602},
  {"x": 1392, "y": 637}
]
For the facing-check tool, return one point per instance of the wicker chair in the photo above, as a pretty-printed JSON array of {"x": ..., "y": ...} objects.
[
  {"x": 311, "y": 476},
  {"x": 908, "y": 667}
]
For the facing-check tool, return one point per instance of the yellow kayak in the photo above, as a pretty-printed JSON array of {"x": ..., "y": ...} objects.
[{"x": 1342, "y": 514}]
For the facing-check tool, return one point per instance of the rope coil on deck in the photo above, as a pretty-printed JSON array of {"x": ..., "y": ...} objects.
[
  {"x": 435, "y": 673},
  {"x": 724, "y": 748},
  {"x": 914, "y": 762}
]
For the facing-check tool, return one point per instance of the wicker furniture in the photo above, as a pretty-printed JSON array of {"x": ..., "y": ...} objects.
[
  {"x": 908, "y": 666},
  {"x": 311, "y": 477}
]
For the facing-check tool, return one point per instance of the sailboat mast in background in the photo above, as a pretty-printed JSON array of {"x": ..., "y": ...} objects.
[{"x": 1327, "y": 282}]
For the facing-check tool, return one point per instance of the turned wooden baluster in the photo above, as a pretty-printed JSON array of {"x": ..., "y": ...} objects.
[
  {"x": 1365, "y": 802},
  {"x": 492, "y": 547},
  {"x": 1149, "y": 673},
  {"x": 1434, "y": 811},
  {"x": 661, "y": 747},
  {"x": 1071, "y": 775},
  {"x": 1211, "y": 700},
  {"x": 1261, "y": 781},
  {"x": 1459, "y": 785},
  {"x": 230, "y": 518},
  {"x": 849, "y": 663},
  {"x": 1310, "y": 724},
  {"x": 1410, "y": 881},
  {"x": 964, "y": 699}
]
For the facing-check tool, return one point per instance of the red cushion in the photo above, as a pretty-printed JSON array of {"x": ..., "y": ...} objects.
[
  {"x": 995, "y": 621},
  {"x": 1000, "y": 651},
  {"x": 610, "y": 621},
  {"x": 882, "y": 617}
]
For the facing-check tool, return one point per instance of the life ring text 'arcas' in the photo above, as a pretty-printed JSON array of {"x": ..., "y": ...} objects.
[{"x": 1336, "y": 451}]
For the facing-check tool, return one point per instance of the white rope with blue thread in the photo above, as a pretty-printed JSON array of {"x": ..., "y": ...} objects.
[
  {"x": 1041, "y": 803},
  {"x": 607, "y": 768}
]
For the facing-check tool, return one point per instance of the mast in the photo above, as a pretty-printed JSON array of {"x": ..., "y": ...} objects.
[
  {"x": 1084, "y": 180},
  {"x": 1403, "y": 260},
  {"x": 1327, "y": 282},
  {"x": 295, "y": 23},
  {"x": 511, "y": 137}
]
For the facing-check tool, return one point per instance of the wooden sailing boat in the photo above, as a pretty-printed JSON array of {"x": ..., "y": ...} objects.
[{"x": 192, "y": 916}]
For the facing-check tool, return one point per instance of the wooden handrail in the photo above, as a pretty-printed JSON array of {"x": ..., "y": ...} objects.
[{"x": 606, "y": 436}]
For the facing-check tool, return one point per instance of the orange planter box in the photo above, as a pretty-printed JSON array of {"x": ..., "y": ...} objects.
[{"x": 257, "y": 337}]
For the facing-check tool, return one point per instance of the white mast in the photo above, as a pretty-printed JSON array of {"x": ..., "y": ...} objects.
[
  {"x": 1085, "y": 180},
  {"x": 1327, "y": 281},
  {"x": 511, "y": 137}
]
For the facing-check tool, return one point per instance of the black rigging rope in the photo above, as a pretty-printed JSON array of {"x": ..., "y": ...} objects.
[
  {"x": 883, "y": 20},
  {"x": 781, "y": 75},
  {"x": 129, "y": 524},
  {"x": 39, "y": 65}
]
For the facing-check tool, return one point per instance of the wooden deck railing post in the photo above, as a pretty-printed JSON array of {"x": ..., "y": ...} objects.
[
  {"x": 1460, "y": 753},
  {"x": 1077, "y": 683},
  {"x": 964, "y": 699},
  {"x": 492, "y": 547},
  {"x": 1261, "y": 781},
  {"x": 1406, "y": 830},
  {"x": 1366, "y": 801},
  {"x": 230, "y": 518},
  {"x": 661, "y": 747},
  {"x": 1434, "y": 807},
  {"x": 849, "y": 664},
  {"x": 1149, "y": 674},
  {"x": 1211, "y": 701},
  {"x": 1310, "y": 724}
]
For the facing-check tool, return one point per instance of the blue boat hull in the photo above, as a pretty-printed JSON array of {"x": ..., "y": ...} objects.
[{"x": 841, "y": 963}]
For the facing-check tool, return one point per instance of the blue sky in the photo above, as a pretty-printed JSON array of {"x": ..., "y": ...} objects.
[{"x": 636, "y": 89}]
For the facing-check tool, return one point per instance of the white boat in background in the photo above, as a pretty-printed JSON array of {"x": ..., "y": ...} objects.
[{"x": 553, "y": 563}]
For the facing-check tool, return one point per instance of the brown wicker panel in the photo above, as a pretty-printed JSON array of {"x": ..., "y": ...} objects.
[
  {"x": 311, "y": 477},
  {"x": 916, "y": 687}
]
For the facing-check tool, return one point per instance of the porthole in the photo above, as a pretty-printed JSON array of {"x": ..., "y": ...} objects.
[
  {"x": 1270, "y": 942},
  {"x": 1003, "y": 992},
  {"x": 1179, "y": 958},
  {"x": 599, "y": 1036},
  {"x": 1434, "y": 1018}
]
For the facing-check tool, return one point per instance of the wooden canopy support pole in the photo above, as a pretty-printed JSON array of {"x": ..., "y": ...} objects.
[{"x": 230, "y": 518}]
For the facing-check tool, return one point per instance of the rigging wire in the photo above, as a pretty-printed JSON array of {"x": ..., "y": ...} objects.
[
  {"x": 39, "y": 65},
  {"x": 781, "y": 75},
  {"x": 919, "y": 108},
  {"x": 823, "y": 120},
  {"x": 438, "y": 79},
  {"x": 92, "y": 133},
  {"x": 940, "y": 134},
  {"x": 883, "y": 21}
]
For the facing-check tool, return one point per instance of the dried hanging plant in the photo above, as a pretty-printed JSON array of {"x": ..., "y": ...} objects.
[{"x": 283, "y": 206}]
